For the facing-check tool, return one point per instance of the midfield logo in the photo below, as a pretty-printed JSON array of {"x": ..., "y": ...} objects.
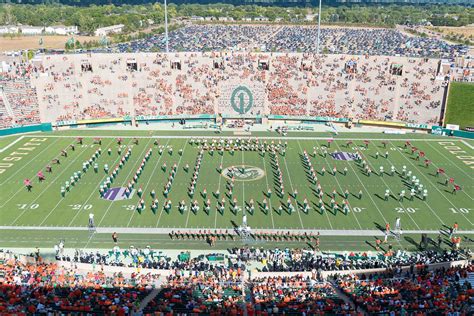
[{"x": 244, "y": 173}]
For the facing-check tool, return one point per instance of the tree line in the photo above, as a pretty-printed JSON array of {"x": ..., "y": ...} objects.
[{"x": 138, "y": 17}]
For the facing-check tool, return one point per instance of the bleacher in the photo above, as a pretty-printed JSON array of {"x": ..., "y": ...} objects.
[
  {"x": 372, "y": 90},
  {"x": 5, "y": 118},
  {"x": 22, "y": 100}
]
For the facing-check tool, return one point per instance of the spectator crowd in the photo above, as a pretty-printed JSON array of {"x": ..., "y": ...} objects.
[
  {"x": 358, "y": 87},
  {"x": 267, "y": 38},
  {"x": 35, "y": 287},
  {"x": 373, "y": 74}
]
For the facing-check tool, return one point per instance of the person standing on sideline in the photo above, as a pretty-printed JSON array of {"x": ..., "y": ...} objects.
[
  {"x": 115, "y": 237},
  {"x": 91, "y": 221},
  {"x": 398, "y": 228}
]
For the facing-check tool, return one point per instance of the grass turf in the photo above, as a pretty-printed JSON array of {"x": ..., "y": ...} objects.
[
  {"x": 45, "y": 207},
  {"x": 460, "y": 104}
]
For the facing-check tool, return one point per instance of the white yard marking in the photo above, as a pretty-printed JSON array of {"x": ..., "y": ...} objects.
[
  {"x": 125, "y": 180},
  {"x": 426, "y": 203},
  {"x": 219, "y": 188},
  {"x": 367, "y": 192},
  {"x": 434, "y": 185},
  {"x": 269, "y": 199},
  {"x": 249, "y": 137},
  {"x": 340, "y": 187},
  {"x": 325, "y": 212},
  {"x": 449, "y": 161},
  {"x": 292, "y": 189},
  {"x": 59, "y": 202},
  {"x": 30, "y": 161},
  {"x": 243, "y": 187},
  {"x": 11, "y": 144},
  {"x": 388, "y": 187},
  {"x": 96, "y": 187},
  {"x": 47, "y": 187},
  {"x": 148, "y": 182},
  {"x": 177, "y": 168},
  {"x": 467, "y": 144},
  {"x": 148, "y": 230}
]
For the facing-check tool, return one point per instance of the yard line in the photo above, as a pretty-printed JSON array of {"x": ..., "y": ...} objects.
[
  {"x": 148, "y": 182},
  {"x": 219, "y": 188},
  {"x": 59, "y": 202},
  {"x": 434, "y": 165},
  {"x": 467, "y": 144},
  {"x": 325, "y": 213},
  {"x": 125, "y": 180},
  {"x": 269, "y": 199},
  {"x": 95, "y": 190},
  {"x": 426, "y": 203},
  {"x": 46, "y": 189},
  {"x": 340, "y": 187},
  {"x": 449, "y": 160},
  {"x": 177, "y": 168},
  {"x": 243, "y": 187},
  {"x": 30, "y": 161},
  {"x": 292, "y": 189},
  {"x": 11, "y": 144},
  {"x": 167, "y": 230},
  {"x": 90, "y": 238},
  {"x": 368, "y": 193},
  {"x": 434, "y": 185},
  {"x": 385, "y": 183},
  {"x": 260, "y": 137}
]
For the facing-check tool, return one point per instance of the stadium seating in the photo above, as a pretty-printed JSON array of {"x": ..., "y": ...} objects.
[
  {"x": 41, "y": 287},
  {"x": 295, "y": 84},
  {"x": 438, "y": 291},
  {"x": 33, "y": 286}
]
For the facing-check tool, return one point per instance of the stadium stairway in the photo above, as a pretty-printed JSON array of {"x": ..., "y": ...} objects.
[
  {"x": 346, "y": 298},
  {"x": 6, "y": 103},
  {"x": 470, "y": 279},
  {"x": 149, "y": 297}
]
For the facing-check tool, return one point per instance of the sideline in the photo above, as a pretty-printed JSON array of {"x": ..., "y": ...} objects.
[
  {"x": 240, "y": 137},
  {"x": 151, "y": 230}
]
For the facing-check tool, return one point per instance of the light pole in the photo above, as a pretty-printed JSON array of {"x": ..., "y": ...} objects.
[
  {"x": 166, "y": 27},
  {"x": 319, "y": 29}
]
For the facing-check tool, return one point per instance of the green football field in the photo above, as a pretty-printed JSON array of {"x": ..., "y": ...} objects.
[{"x": 44, "y": 208}]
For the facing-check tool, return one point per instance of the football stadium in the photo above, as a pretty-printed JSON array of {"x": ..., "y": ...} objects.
[{"x": 217, "y": 179}]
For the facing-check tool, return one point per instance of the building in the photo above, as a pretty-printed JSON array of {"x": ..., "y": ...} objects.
[
  {"x": 103, "y": 31},
  {"x": 61, "y": 29},
  {"x": 226, "y": 19},
  {"x": 261, "y": 19},
  {"x": 31, "y": 30},
  {"x": 9, "y": 29}
]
